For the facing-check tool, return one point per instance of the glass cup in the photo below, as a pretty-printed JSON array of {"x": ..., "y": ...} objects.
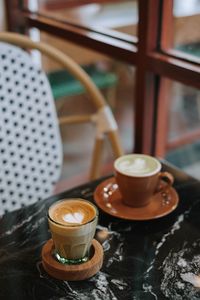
[{"x": 72, "y": 223}]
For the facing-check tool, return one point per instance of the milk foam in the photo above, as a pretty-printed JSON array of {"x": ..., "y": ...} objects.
[
  {"x": 76, "y": 218},
  {"x": 138, "y": 165}
]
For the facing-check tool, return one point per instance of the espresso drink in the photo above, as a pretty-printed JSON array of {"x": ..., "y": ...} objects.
[
  {"x": 138, "y": 177},
  {"x": 73, "y": 224}
]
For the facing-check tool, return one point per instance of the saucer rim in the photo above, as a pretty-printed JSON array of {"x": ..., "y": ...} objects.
[{"x": 129, "y": 218}]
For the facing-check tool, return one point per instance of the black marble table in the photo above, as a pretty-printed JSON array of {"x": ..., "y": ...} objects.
[{"x": 157, "y": 259}]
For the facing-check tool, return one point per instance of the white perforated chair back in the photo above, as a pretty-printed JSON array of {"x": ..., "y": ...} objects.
[{"x": 30, "y": 143}]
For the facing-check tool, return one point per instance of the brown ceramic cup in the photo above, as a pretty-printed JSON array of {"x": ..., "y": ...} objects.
[{"x": 139, "y": 177}]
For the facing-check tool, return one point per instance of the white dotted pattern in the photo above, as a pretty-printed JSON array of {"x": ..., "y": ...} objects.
[{"x": 30, "y": 143}]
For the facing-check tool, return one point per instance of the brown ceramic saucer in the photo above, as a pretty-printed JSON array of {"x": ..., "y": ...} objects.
[{"x": 109, "y": 199}]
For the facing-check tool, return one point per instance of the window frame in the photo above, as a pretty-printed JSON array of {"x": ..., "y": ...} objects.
[{"x": 154, "y": 66}]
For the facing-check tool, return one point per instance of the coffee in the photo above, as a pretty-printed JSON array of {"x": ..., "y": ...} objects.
[
  {"x": 138, "y": 177},
  {"x": 72, "y": 223},
  {"x": 137, "y": 165},
  {"x": 71, "y": 212}
]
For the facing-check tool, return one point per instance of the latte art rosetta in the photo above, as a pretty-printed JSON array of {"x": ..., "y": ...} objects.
[{"x": 136, "y": 166}]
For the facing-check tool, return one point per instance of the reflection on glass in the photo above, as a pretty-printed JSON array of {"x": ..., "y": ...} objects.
[
  {"x": 186, "y": 26},
  {"x": 184, "y": 110},
  {"x": 184, "y": 122},
  {"x": 121, "y": 16}
]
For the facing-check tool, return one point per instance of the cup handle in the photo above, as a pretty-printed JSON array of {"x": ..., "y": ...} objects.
[{"x": 168, "y": 178}]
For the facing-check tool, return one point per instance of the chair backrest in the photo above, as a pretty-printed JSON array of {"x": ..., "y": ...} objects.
[
  {"x": 48, "y": 144},
  {"x": 30, "y": 143}
]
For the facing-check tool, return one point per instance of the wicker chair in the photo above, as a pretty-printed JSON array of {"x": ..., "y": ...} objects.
[{"x": 30, "y": 142}]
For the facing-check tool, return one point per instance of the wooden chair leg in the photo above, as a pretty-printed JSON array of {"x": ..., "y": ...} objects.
[
  {"x": 96, "y": 158},
  {"x": 111, "y": 97},
  {"x": 115, "y": 143}
]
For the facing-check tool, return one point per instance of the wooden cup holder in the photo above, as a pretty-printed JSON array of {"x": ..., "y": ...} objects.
[{"x": 72, "y": 272}]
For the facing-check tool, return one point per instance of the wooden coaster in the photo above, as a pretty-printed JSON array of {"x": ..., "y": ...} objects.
[{"x": 72, "y": 272}]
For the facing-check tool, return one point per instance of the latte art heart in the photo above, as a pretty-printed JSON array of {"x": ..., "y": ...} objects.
[
  {"x": 72, "y": 212},
  {"x": 75, "y": 218}
]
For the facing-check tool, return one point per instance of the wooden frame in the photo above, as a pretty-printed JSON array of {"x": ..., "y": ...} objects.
[
  {"x": 105, "y": 44},
  {"x": 172, "y": 64},
  {"x": 151, "y": 55}
]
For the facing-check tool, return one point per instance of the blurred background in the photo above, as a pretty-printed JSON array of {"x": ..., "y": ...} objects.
[{"x": 145, "y": 58}]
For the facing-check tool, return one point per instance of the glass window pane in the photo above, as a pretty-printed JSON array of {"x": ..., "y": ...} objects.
[
  {"x": 185, "y": 110},
  {"x": 2, "y": 16},
  {"x": 186, "y": 17},
  {"x": 184, "y": 128},
  {"x": 119, "y": 16}
]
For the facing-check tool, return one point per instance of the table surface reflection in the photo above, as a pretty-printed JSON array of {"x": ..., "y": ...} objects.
[{"x": 157, "y": 259}]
